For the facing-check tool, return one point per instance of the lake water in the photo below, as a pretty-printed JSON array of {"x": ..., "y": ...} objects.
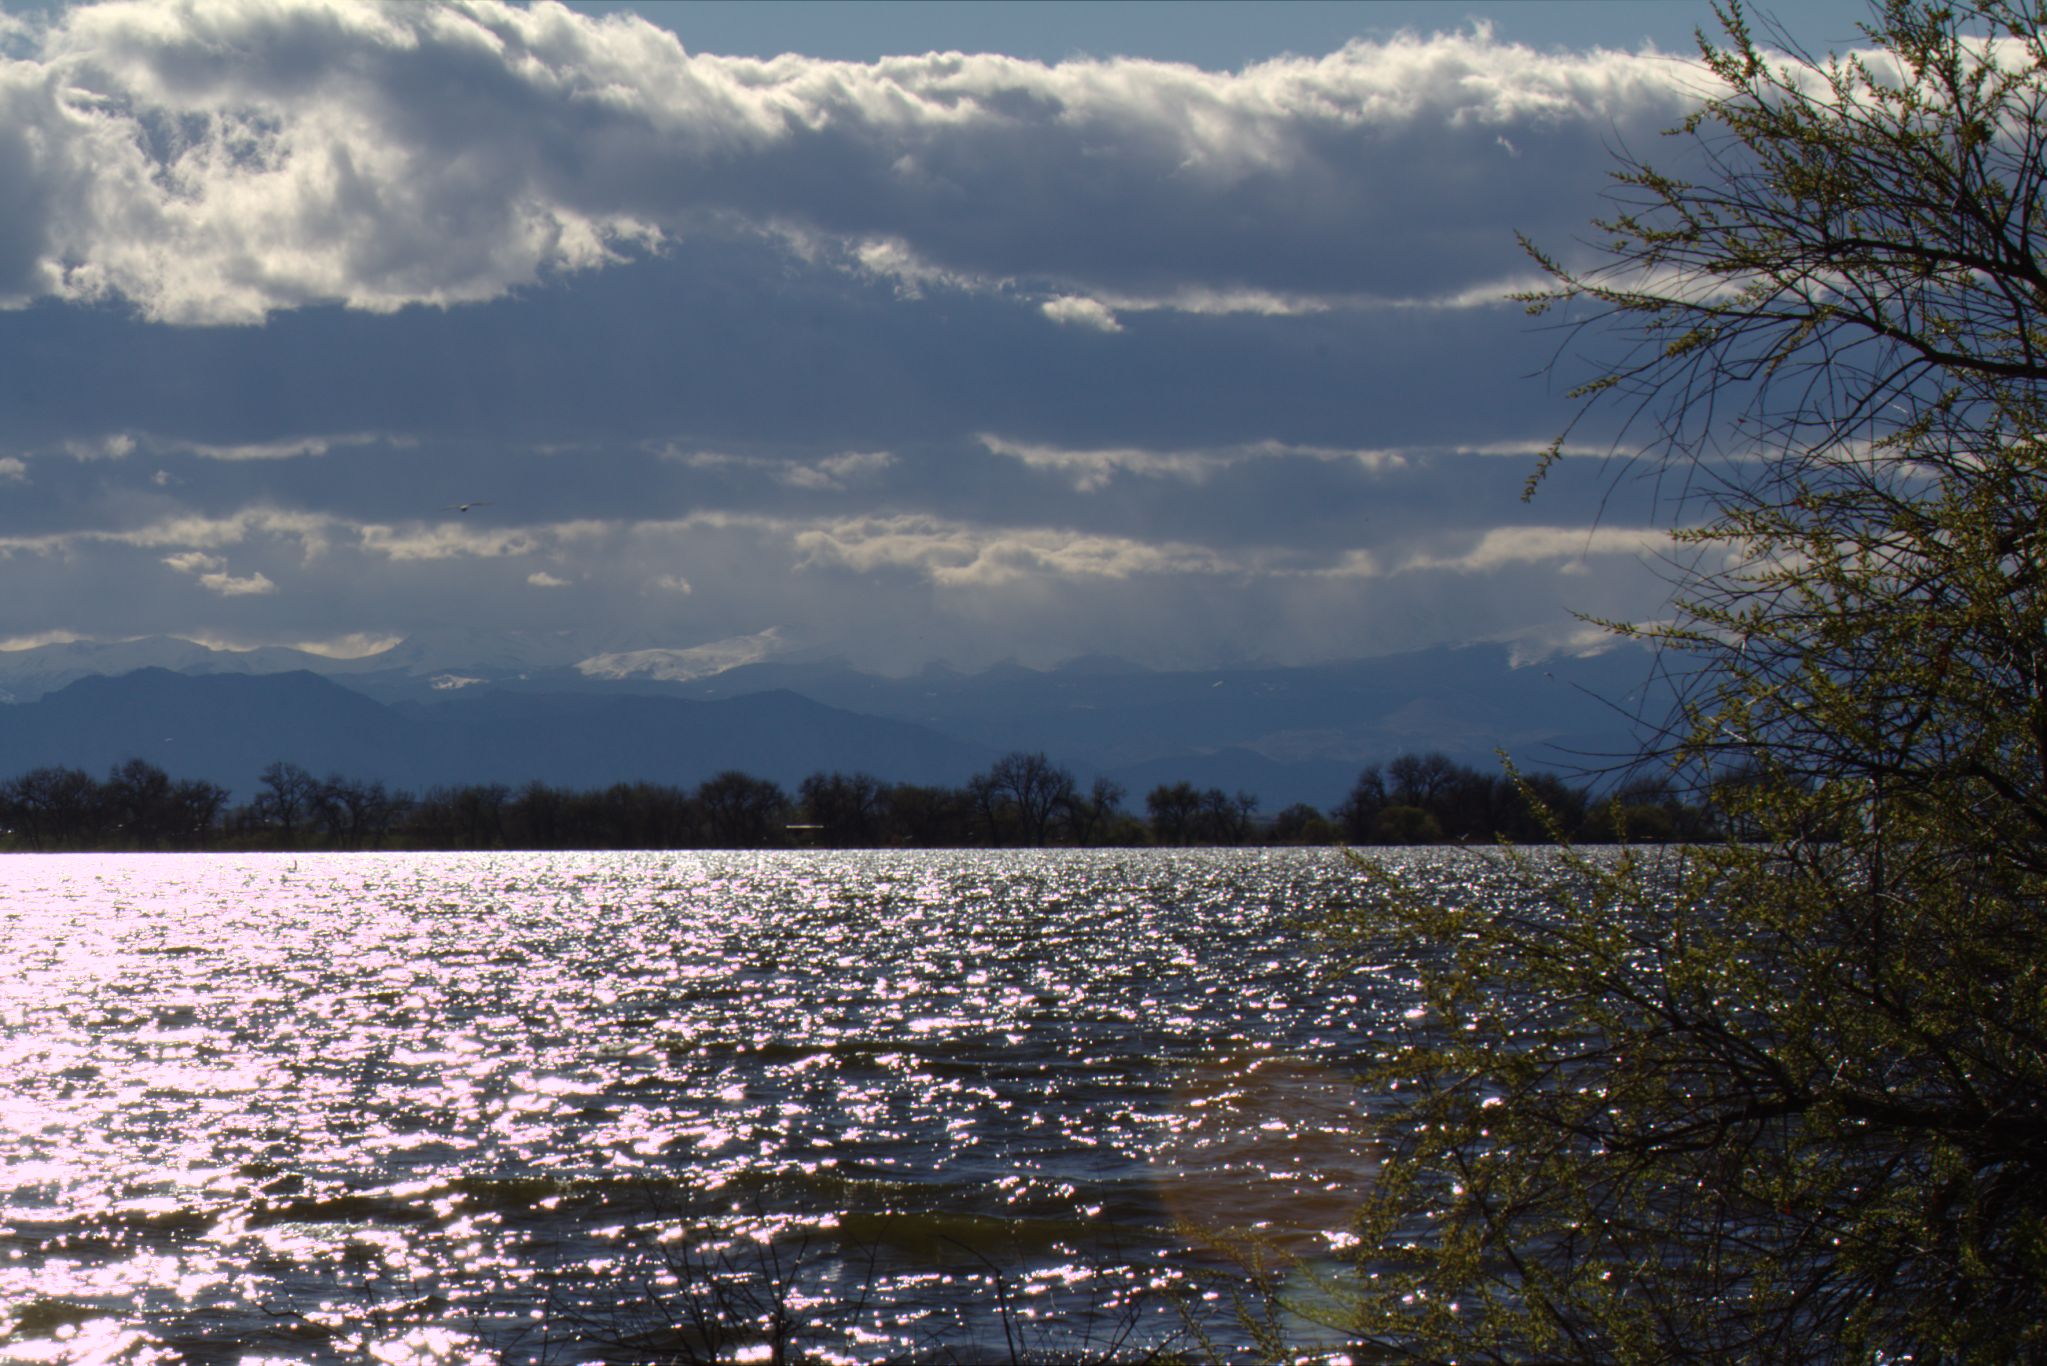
[{"x": 548, "y": 1107}]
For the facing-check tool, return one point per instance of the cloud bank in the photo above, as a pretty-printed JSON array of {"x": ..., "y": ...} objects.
[
  {"x": 215, "y": 161},
  {"x": 942, "y": 356}
]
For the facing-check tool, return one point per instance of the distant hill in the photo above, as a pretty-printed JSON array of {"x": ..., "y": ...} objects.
[
  {"x": 467, "y": 705},
  {"x": 226, "y": 728},
  {"x": 1470, "y": 702},
  {"x": 26, "y": 675}
]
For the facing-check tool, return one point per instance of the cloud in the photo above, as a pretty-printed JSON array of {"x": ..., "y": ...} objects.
[
  {"x": 114, "y": 446},
  {"x": 13, "y": 469},
  {"x": 465, "y": 540},
  {"x": 1075, "y": 311},
  {"x": 218, "y": 162},
  {"x": 838, "y": 471},
  {"x": 195, "y": 539},
  {"x": 40, "y": 639},
  {"x": 891, "y": 588},
  {"x": 228, "y": 586},
  {"x": 1502, "y": 547},
  {"x": 1533, "y": 447},
  {"x": 212, "y": 574},
  {"x": 1551, "y": 640},
  {"x": 193, "y": 562},
  {"x": 193, "y": 532},
  {"x": 120, "y": 445},
  {"x": 1094, "y": 469},
  {"x": 833, "y": 472},
  {"x": 352, "y": 645},
  {"x": 283, "y": 448},
  {"x": 697, "y": 661},
  {"x": 957, "y": 554}
]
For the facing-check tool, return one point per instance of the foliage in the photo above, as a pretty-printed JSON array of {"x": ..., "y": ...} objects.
[{"x": 1783, "y": 1098}]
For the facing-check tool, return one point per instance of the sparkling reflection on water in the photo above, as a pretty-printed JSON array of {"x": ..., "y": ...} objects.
[{"x": 548, "y": 1106}]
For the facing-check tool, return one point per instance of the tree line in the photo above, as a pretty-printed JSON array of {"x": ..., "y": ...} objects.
[{"x": 1022, "y": 800}]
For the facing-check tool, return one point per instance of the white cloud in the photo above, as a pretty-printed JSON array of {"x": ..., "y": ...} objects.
[
  {"x": 893, "y": 588},
  {"x": 711, "y": 460},
  {"x": 1530, "y": 449},
  {"x": 211, "y": 572},
  {"x": 40, "y": 639},
  {"x": 1551, "y": 640},
  {"x": 464, "y": 540},
  {"x": 1568, "y": 547},
  {"x": 1353, "y": 564},
  {"x": 115, "y": 446},
  {"x": 216, "y": 162},
  {"x": 283, "y": 448},
  {"x": 13, "y": 469},
  {"x": 960, "y": 554},
  {"x": 228, "y": 586},
  {"x": 1094, "y": 469},
  {"x": 194, "y": 562},
  {"x": 680, "y": 666},
  {"x": 1266, "y": 303},
  {"x": 837, "y": 471},
  {"x": 351, "y": 645},
  {"x": 1074, "y": 311},
  {"x": 833, "y": 472},
  {"x": 195, "y": 538},
  {"x": 891, "y": 259}
]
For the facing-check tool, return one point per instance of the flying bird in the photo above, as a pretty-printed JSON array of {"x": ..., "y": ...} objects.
[{"x": 464, "y": 507}]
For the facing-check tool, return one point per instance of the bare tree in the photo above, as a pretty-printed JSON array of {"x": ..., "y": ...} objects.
[{"x": 1034, "y": 789}]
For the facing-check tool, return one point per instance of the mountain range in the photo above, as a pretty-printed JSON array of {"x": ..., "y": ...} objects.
[{"x": 462, "y": 708}]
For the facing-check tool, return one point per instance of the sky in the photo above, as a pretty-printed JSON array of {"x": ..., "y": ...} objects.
[{"x": 894, "y": 332}]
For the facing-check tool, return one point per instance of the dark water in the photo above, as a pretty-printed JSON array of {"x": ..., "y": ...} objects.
[{"x": 549, "y": 1107}]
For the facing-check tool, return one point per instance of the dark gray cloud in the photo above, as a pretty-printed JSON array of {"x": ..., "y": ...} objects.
[
  {"x": 218, "y": 161},
  {"x": 949, "y": 356}
]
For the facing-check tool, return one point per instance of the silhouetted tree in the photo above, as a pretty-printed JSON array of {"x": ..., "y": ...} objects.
[
  {"x": 1358, "y": 814},
  {"x": 1402, "y": 824},
  {"x": 137, "y": 800},
  {"x": 850, "y": 807},
  {"x": 654, "y": 816},
  {"x": 1089, "y": 819},
  {"x": 1223, "y": 819},
  {"x": 56, "y": 806},
  {"x": 1302, "y": 824},
  {"x": 1174, "y": 809},
  {"x": 1034, "y": 789},
  {"x": 1519, "y": 807},
  {"x": 470, "y": 817},
  {"x": 355, "y": 814},
  {"x": 930, "y": 817},
  {"x": 743, "y": 812},
  {"x": 195, "y": 807},
  {"x": 538, "y": 818},
  {"x": 287, "y": 799},
  {"x": 984, "y": 800},
  {"x": 1419, "y": 779}
]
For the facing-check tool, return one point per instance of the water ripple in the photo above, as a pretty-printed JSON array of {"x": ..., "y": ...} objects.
[{"x": 452, "y": 1107}]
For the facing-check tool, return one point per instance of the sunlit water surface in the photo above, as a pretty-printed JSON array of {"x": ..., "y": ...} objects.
[{"x": 570, "y": 1107}]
